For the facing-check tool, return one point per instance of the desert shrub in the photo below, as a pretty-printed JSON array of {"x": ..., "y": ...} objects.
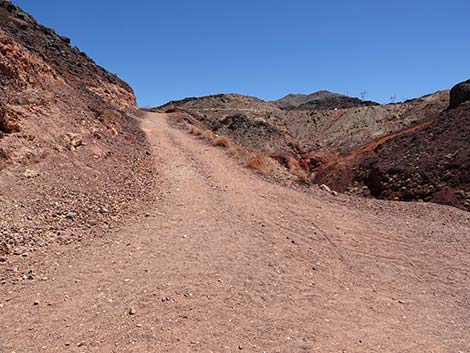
[
  {"x": 195, "y": 131},
  {"x": 208, "y": 135},
  {"x": 235, "y": 151},
  {"x": 222, "y": 141},
  {"x": 260, "y": 162},
  {"x": 301, "y": 175}
]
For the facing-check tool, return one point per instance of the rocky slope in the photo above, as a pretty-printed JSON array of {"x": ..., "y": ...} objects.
[
  {"x": 430, "y": 164},
  {"x": 429, "y": 161},
  {"x": 341, "y": 147},
  {"x": 344, "y": 130},
  {"x": 321, "y": 100},
  {"x": 71, "y": 155},
  {"x": 247, "y": 120},
  {"x": 259, "y": 124}
]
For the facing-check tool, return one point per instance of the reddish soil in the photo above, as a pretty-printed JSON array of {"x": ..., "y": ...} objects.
[
  {"x": 96, "y": 257},
  {"x": 371, "y": 147},
  {"x": 429, "y": 164},
  {"x": 72, "y": 157},
  {"x": 339, "y": 172},
  {"x": 337, "y": 274}
]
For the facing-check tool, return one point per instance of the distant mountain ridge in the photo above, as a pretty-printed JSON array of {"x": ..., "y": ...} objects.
[
  {"x": 321, "y": 100},
  {"x": 335, "y": 129},
  {"x": 220, "y": 102}
]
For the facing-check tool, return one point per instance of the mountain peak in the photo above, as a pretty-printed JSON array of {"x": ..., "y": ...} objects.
[{"x": 320, "y": 100}]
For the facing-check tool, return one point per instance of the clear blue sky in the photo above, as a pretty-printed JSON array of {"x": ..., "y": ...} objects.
[{"x": 267, "y": 48}]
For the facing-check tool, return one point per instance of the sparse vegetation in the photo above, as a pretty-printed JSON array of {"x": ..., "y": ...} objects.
[
  {"x": 195, "y": 131},
  {"x": 301, "y": 174},
  {"x": 263, "y": 162},
  {"x": 260, "y": 162},
  {"x": 235, "y": 151},
  {"x": 208, "y": 135},
  {"x": 222, "y": 141}
]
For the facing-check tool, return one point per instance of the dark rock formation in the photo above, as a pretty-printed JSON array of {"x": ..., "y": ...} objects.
[{"x": 459, "y": 94}]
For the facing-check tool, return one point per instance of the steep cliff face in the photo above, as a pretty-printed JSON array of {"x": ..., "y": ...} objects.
[{"x": 68, "y": 141}]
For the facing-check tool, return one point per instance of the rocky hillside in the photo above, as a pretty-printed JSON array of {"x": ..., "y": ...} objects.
[
  {"x": 222, "y": 103},
  {"x": 70, "y": 152},
  {"x": 259, "y": 124},
  {"x": 429, "y": 164},
  {"x": 321, "y": 100},
  {"x": 248, "y": 120},
  {"x": 429, "y": 161},
  {"x": 354, "y": 149},
  {"x": 344, "y": 130}
]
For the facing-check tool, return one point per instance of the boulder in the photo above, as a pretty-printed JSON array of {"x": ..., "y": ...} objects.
[{"x": 459, "y": 94}]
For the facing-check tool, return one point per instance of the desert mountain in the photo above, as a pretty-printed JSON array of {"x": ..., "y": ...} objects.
[
  {"x": 428, "y": 161},
  {"x": 344, "y": 130},
  {"x": 331, "y": 143},
  {"x": 259, "y": 124},
  {"x": 321, "y": 100},
  {"x": 221, "y": 102},
  {"x": 122, "y": 232},
  {"x": 68, "y": 146},
  {"x": 428, "y": 164},
  {"x": 250, "y": 121}
]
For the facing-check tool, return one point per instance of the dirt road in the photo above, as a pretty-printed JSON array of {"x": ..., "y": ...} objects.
[{"x": 227, "y": 262}]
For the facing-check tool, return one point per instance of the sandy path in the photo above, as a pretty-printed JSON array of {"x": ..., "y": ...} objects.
[{"x": 227, "y": 262}]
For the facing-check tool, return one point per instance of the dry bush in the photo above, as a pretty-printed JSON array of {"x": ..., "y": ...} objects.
[
  {"x": 235, "y": 151},
  {"x": 261, "y": 163},
  {"x": 195, "y": 131},
  {"x": 222, "y": 141},
  {"x": 208, "y": 135},
  {"x": 301, "y": 174}
]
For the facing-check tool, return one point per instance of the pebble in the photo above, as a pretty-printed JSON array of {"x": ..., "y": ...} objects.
[
  {"x": 327, "y": 189},
  {"x": 4, "y": 247},
  {"x": 70, "y": 214},
  {"x": 31, "y": 173},
  {"x": 104, "y": 210},
  {"x": 132, "y": 311}
]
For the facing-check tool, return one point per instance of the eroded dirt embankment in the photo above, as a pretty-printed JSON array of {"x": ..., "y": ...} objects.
[{"x": 72, "y": 156}]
